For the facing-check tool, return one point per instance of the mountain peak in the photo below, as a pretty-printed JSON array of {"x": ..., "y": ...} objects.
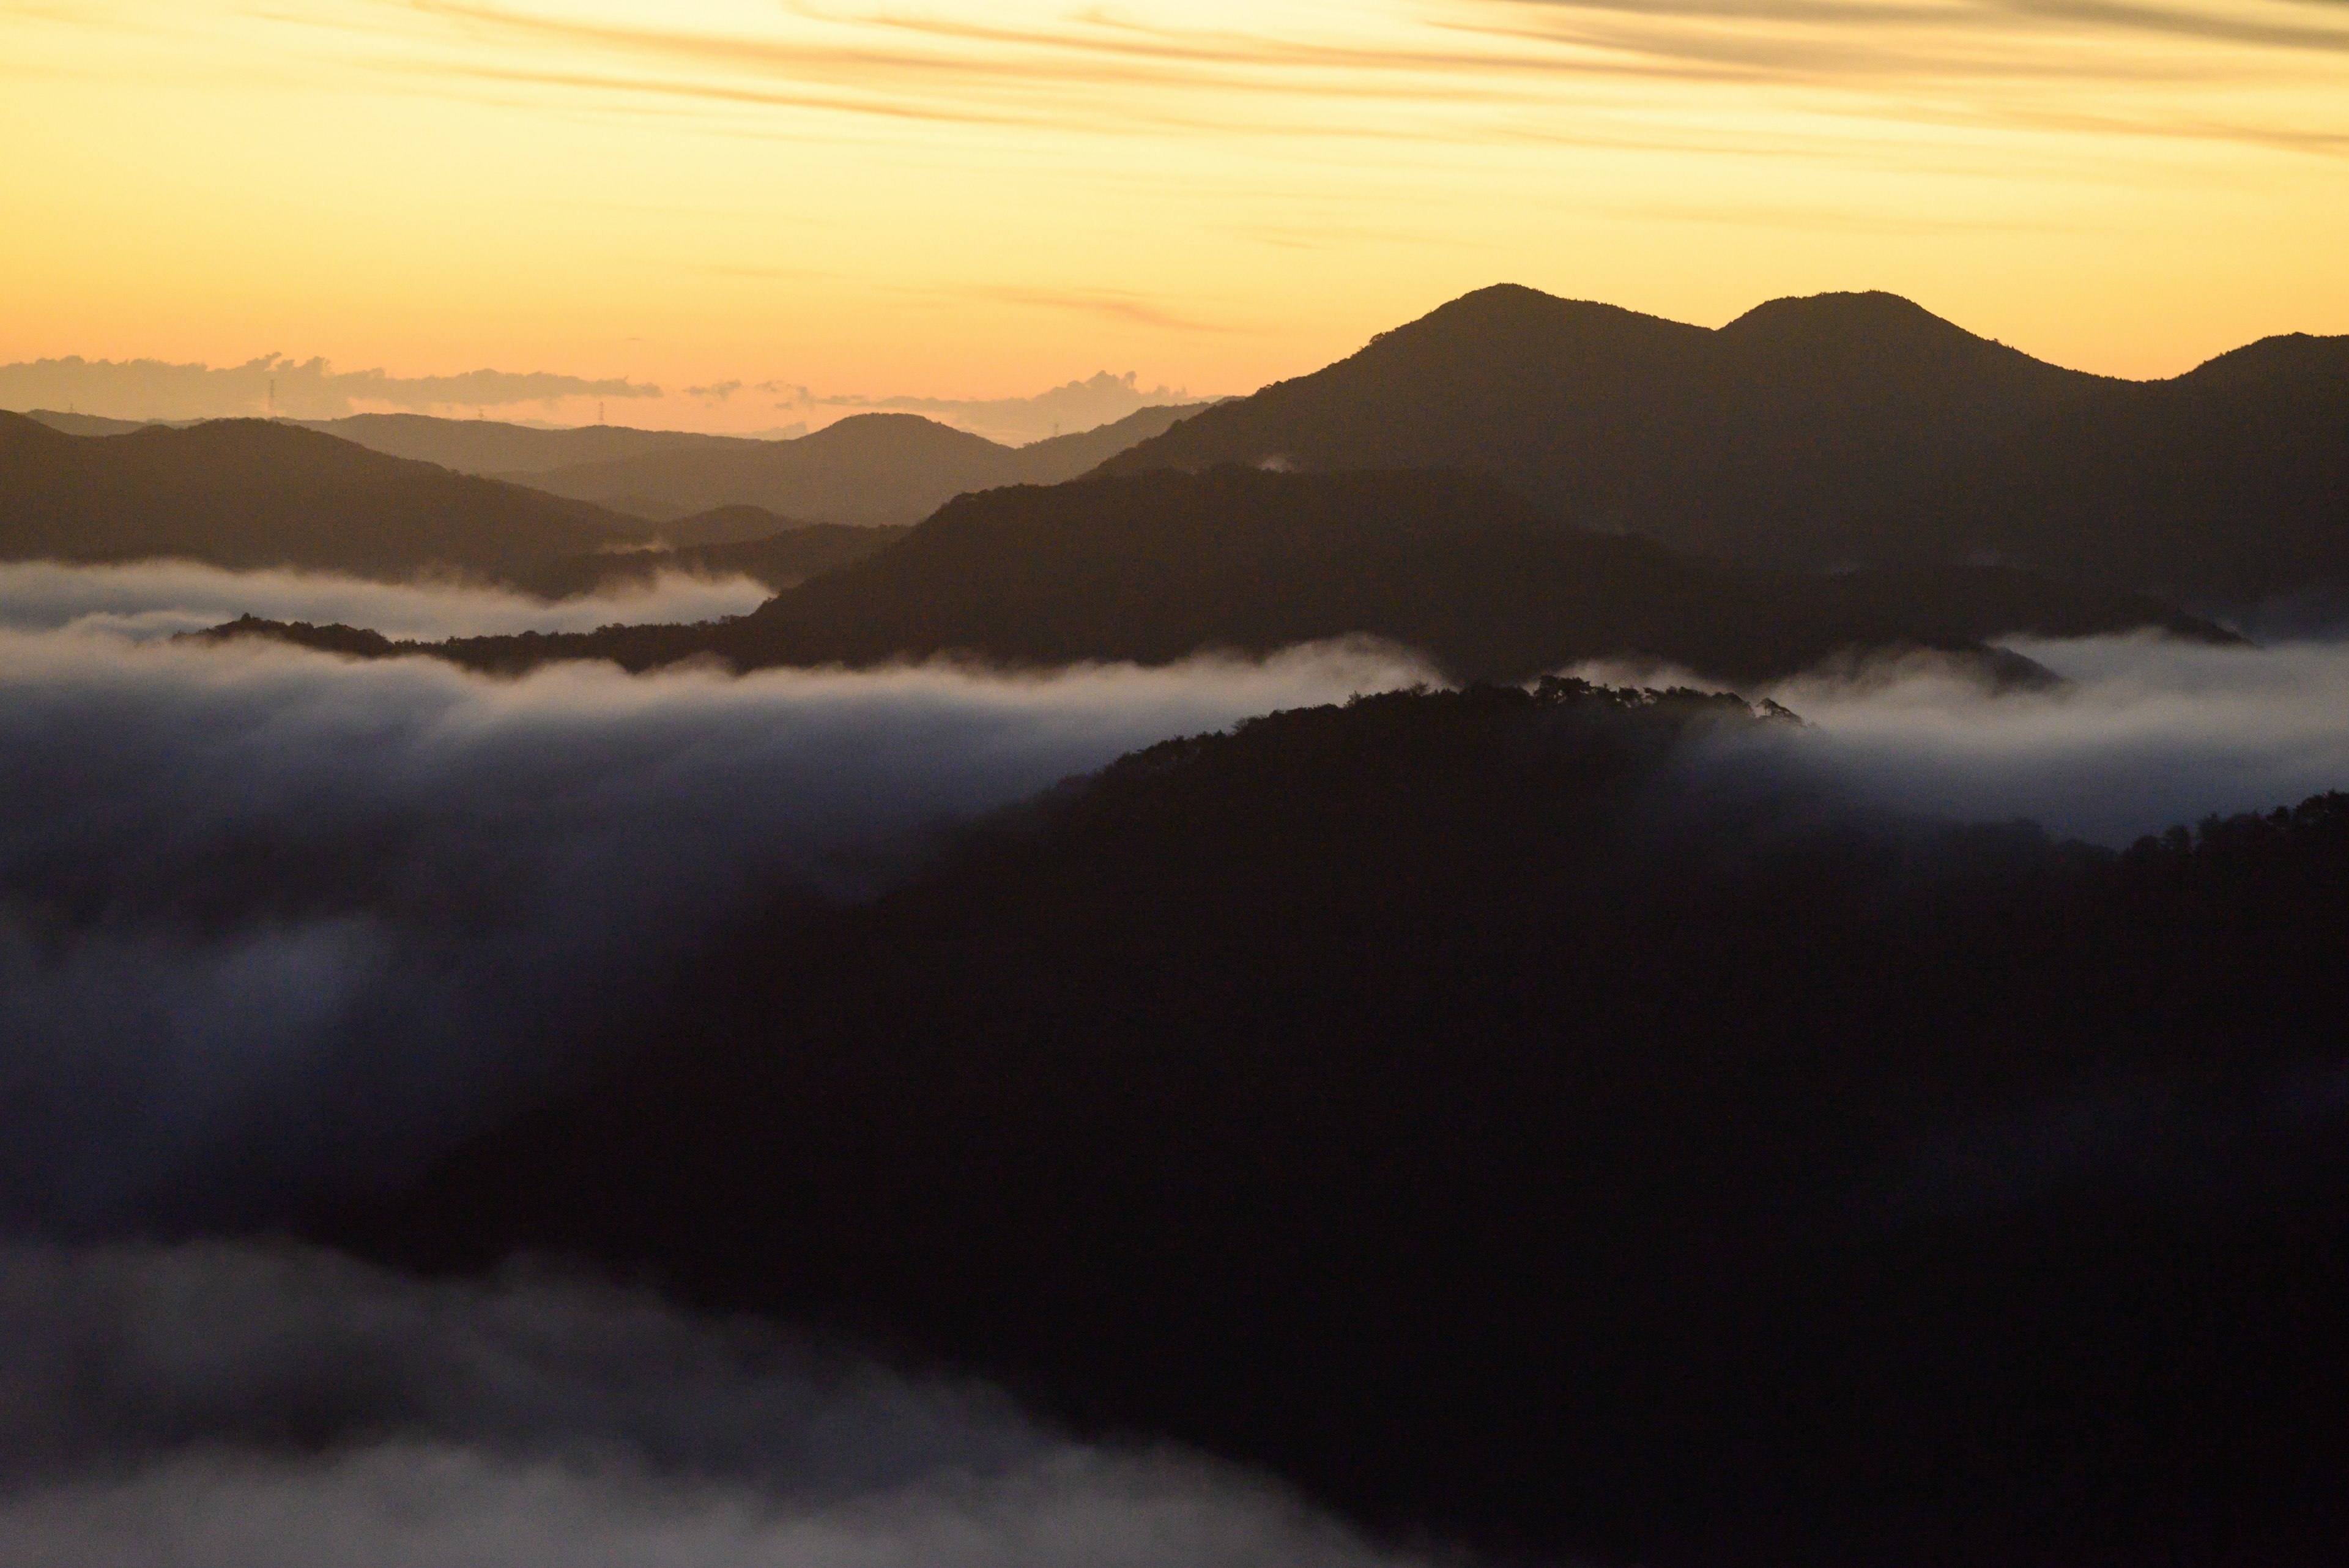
[
  {"x": 1872, "y": 314},
  {"x": 2288, "y": 354},
  {"x": 1512, "y": 308}
]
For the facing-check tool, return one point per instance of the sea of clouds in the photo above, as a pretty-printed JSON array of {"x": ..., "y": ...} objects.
[
  {"x": 146, "y": 600},
  {"x": 273, "y": 922},
  {"x": 213, "y": 1405},
  {"x": 267, "y": 913}
]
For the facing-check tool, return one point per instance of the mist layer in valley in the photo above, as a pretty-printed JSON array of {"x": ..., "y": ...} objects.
[
  {"x": 290, "y": 939},
  {"x": 263, "y": 911},
  {"x": 238, "y": 1407},
  {"x": 162, "y": 598},
  {"x": 248, "y": 890}
]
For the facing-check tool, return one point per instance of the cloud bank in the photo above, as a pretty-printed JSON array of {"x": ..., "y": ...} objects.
[
  {"x": 266, "y": 913},
  {"x": 225, "y": 1406},
  {"x": 2144, "y": 733},
  {"x": 306, "y": 389},
  {"x": 148, "y": 599},
  {"x": 2147, "y": 733}
]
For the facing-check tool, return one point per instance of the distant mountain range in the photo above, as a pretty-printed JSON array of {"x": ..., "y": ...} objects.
[
  {"x": 254, "y": 493},
  {"x": 870, "y": 470},
  {"x": 867, "y": 469},
  {"x": 1152, "y": 567},
  {"x": 491, "y": 447},
  {"x": 1835, "y": 430}
]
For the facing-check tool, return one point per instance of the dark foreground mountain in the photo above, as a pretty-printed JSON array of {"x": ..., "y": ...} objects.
[
  {"x": 251, "y": 493},
  {"x": 867, "y": 469},
  {"x": 1156, "y": 566},
  {"x": 1837, "y": 429},
  {"x": 1477, "y": 1111}
]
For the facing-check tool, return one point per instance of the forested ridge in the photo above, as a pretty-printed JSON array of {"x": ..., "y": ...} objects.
[{"x": 1553, "y": 1118}]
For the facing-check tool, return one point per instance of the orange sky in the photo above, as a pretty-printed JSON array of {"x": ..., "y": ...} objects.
[{"x": 985, "y": 199}]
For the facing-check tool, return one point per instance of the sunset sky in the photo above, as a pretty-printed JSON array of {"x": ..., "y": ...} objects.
[{"x": 964, "y": 199}]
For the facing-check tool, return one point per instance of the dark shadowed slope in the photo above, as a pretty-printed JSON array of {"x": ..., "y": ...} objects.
[
  {"x": 725, "y": 526},
  {"x": 867, "y": 469},
  {"x": 2229, "y": 484},
  {"x": 1733, "y": 440},
  {"x": 1454, "y": 1104},
  {"x": 1835, "y": 429},
  {"x": 783, "y": 559},
  {"x": 248, "y": 492},
  {"x": 1156, "y": 566},
  {"x": 494, "y": 447}
]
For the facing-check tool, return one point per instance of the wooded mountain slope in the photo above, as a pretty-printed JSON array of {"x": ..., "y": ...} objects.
[
  {"x": 1156, "y": 566},
  {"x": 1843, "y": 428},
  {"x": 1485, "y": 1115}
]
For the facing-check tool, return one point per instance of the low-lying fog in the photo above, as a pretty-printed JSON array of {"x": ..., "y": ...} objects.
[
  {"x": 2144, "y": 732},
  {"x": 267, "y": 915},
  {"x": 162, "y": 598},
  {"x": 270, "y": 918},
  {"x": 264, "y": 911},
  {"x": 219, "y": 1407}
]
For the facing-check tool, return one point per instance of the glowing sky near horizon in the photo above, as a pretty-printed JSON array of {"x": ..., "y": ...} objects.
[{"x": 976, "y": 199}]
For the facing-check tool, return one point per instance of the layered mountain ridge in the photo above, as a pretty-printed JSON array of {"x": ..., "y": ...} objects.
[{"x": 1837, "y": 429}]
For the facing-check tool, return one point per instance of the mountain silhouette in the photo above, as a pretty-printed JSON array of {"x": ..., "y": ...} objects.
[
  {"x": 2229, "y": 484},
  {"x": 881, "y": 468},
  {"x": 1153, "y": 567},
  {"x": 87, "y": 424},
  {"x": 252, "y": 492},
  {"x": 494, "y": 447},
  {"x": 1837, "y": 429}
]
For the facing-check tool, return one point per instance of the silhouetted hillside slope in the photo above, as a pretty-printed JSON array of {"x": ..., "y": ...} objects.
[
  {"x": 726, "y": 525},
  {"x": 249, "y": 492},
  {"x": 1456, "y": 1104},
  {"x": 2228, "y": 484},
  {"x": 494, "y": 447},
  {"x": 867, "y": 469},
  {"x": 782, "y": 560},
  {"x": 1157, "y": 566},
  {"x": 1835, "y": 429}
]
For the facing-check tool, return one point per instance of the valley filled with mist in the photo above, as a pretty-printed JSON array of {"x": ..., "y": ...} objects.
[{"x": 1574, "y": 939}]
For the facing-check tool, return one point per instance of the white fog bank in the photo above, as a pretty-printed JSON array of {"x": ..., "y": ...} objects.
[
  {"x": 233, "y": 1406},
  {"x": 148, "y": 599}
]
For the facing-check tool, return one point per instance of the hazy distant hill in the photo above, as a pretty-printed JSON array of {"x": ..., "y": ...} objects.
[
  {"x": 85, "y": 424},
  {"x": 1838, "y": 428},
  {"x": 251, "y": 493},
  {"x": 491, "y": 447},
  {"x": 866, "y": 469},
  {"x": 1156, "y": 566}
]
